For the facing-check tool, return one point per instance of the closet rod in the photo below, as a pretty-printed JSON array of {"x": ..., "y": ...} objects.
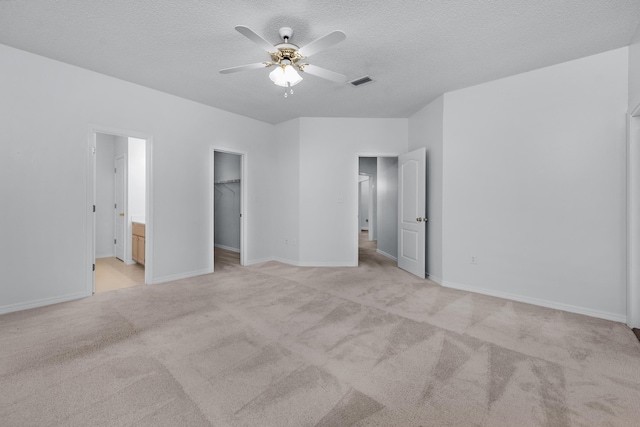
[{"x": 228, "y": 181}]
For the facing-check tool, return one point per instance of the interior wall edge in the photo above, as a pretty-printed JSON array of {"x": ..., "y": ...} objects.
[
  {"x": 4, "y": 309},
  {"x": 433, "y": 278},
  {"x": 383, "y": 253},
  {"x": 228, "y": 248},
  {"x": 538, "y": 302},
  {"x": 180, "y": 276}
]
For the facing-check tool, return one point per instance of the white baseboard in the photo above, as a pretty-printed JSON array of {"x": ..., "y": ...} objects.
[
  {"x": 180, "y": 276},
  {"x": 286, "y": 261},
  {"x": 302, "y": 264},
  {"x": 259, "y": 261},
  {"x": 540, "y": 302},
  {"x": 110, "y": 255},
  {"x": 386, "y": 254},
  {"x": 434, "y": 279},
  {"x": 328, "y": 264},
  {"x": 228, "y": 248},
  {"x": 40, "y": 303}
]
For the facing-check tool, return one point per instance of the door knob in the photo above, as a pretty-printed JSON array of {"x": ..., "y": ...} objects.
[
  {"x": 121, "y": 213},
  {"x": 419, "y": 219}
]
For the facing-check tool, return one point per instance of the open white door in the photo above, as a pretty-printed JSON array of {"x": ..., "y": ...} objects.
[
  {"x": 119, "y": 208},
  {"x": 412, "y": 191}
]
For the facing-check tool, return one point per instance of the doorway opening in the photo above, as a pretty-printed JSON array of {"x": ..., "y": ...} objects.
[
  {"x": 119, "y": 233},
  {"x": 228, "y": 206},
  {"x": 377, "y": 206}
]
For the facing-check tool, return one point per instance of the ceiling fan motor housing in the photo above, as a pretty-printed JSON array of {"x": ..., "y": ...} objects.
[
  {"x": 286, "y": 51},
  {"x": 285, "y": 33}
]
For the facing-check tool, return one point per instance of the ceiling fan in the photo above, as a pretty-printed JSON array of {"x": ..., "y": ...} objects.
[{"x": 287, "y": 58}]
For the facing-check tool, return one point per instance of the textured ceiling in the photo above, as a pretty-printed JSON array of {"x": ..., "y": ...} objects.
[{"x": 414, "y": 50}]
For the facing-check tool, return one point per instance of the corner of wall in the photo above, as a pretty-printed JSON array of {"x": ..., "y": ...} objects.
[
  {"x": 285, "y": 212},
  {"x": 634, "y": 71}
]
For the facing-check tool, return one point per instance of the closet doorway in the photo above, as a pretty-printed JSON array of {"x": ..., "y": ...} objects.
[{"x": 228, "y": 208}]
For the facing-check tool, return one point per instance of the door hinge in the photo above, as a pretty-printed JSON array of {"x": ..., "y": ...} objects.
[
  {"x": 94, "y": 267},
  {"x": 114, "y": 241},
  {"x": 94, "y": 208},
  {"x": 115, "y": 170},
  {"x": 115, "y": 206},
  {"x": 93, "y": 150}
]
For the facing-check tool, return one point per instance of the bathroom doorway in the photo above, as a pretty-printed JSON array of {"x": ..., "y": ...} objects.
[{"x": 120, "y": 195}]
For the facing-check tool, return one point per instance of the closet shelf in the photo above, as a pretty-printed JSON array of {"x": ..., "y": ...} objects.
[{"x": 224, "y": 183}]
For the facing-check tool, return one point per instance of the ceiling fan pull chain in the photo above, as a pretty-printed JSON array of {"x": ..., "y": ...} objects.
[{"x": 288, "y": 91}]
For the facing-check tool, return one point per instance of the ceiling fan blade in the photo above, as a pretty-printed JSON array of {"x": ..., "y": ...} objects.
[
  {"x": 251, "y": 35},
  {"x": 324, "y": 73},
  {"x": 322, "y": 43},
  {"x": 243, "y": 67}
]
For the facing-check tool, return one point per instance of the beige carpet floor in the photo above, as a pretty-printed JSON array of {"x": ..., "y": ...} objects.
[{"x": 276, "y": 345}]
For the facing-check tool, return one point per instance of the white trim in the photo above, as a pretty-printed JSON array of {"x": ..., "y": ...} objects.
[
  {"x": 148, "y": 214},
  {"x": 228, "y": 248},
  {"x": 434, "y": 279},
  {"x": 174, "y": 277},
  {"x": 536, "y": 301},
  {"x": 262, "y": 261},
  {"x": 633, "y": 220},
  {"x": 90, "y": 218},
  {"x": 327, "y": 264},
  {"x": 111, "y": 255},
  {"x": 40, "y": 303},
  {"x": 386, "y": 254},
  {"x": 301, "y": 264},
  {"x": 244, "y": 207},
  {"x": 128, "y": 258},
  {"x": 286, "y": 261}
]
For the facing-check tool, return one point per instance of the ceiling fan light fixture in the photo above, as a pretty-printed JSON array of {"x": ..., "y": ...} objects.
[{"x": 285, "y": 76}]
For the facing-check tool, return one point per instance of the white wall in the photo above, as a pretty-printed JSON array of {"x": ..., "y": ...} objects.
[
  {"x": 227, "y": 200},
  {"x": 634, "y": 71},
  {"x": 285, "y": 194},
  {"x": 136, "y": 177},
  {"x": 329, "y": 149},
  {"x": 105, "y": 195},
  {"x": 387, "y": 192},
  {"x": 633, "y": 295},
  {"x": 49, "y": 107},
  {"x": 534, "y": 186},
  {"x": 425, "y": 130}
]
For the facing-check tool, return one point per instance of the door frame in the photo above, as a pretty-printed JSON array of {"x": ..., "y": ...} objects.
[
  {"x": 356, "y": 199},
  {"x": 90, "y": 251},
  {"x": 633, "y": 218},
  {"x": 125, "y": 208},
  {"x": 243, "y": 201}
]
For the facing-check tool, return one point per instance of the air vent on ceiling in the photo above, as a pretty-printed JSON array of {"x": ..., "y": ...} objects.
[{"x": 361, "y": 81}]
